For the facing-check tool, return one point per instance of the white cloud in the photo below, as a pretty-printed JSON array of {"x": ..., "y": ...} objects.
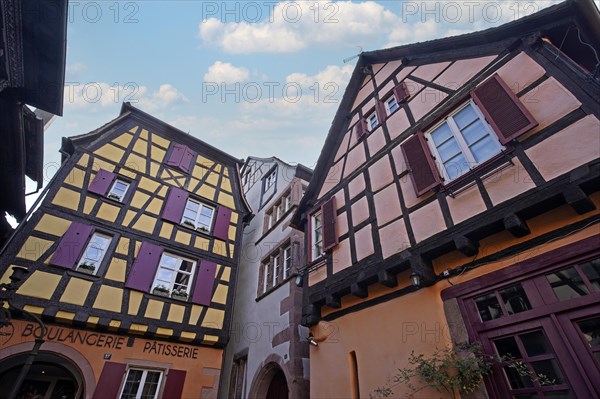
[
  {"x": 224, "y": 72},
  {"x": 75, "y": 70},
  {"x": 166, "y": 96}
]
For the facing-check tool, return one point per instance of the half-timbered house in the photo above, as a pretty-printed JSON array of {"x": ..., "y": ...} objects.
[
  {"x": 456, "y": 199},
  {"x": 267, "y": 355},
  {"x": 132, "y": 260}
]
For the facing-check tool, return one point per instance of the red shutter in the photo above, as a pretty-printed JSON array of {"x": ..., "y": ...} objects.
[
  {"x": 176, "y": 156},
  {"x": 361, "y": 129},
  {"x": 423, "y": 172},
  {"x": 328, "y": 213},
  {"x": 203, "y": 287},
  {"x": 109, "y": 383},
  {"x": 174, "y": 384},
  {"x": 221, "y": 229},
  {"x": 502, "y": 109},
  {"x": 71, "y": 245},
  {"x": 187, "y": 159},
  {"x": 175, "y": 205},
  {"x": 401, "y": 92},
  {"x": 381, "y": 114},
  {"x": 102, "y": 182},
  {"x": 144, "y": 267}
]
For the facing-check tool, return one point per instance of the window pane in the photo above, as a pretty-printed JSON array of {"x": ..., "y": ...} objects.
[
  {"x": 535, "y": 343},
  {"x": 164, "y": 274},
  {"x": 591, "y": 331},
  {"x": 449, "y": 150},
  {"x": 548, "y": 372},
  {"x": 592, "y": 272},
  {"x": 517, "y": 380},
  {"x": 507, "y": 347},
  {"x": 515, "y": 299},
  {"x": 456, "y": 166},
  {"x": 465, "y": 116},
  {"x": 484, "y": 149},
  {"x": 192, "y": 206},
  {"x": 151, "y": 385},
  {"x": 488, "y": 306},
  {"x": 169, "y": 261},
  {"x": 567, "y": 284},
  {"x": 132, "y": 384},
  {"x": 474, "y": 132},
  {"x": 441, "y": 134}
]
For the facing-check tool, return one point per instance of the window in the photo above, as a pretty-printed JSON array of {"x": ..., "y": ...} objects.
[
  {"x": 276, "y": 266},
  {"x": 268, "y": 276},
  {"x": 265, "y": 277},
  {"x": 317, "y": 236},
  {"x": 198, "y": 215},
  {"x": 288, "y": 203},
  {"x": 504, "y": 302},
  {"x": 141, "y": 384},
  {"x": 238, "y": 378},
  {"x": 174, "y": 275},
  {"x": 270, "y": 180},
  {"x": 372, "y": 121},
  {"x": 94, "y": 253},
  {"x": 463, "y": 141},
  {"x": 118, "y": 190},
  {"x": 391, "y": 105},
  {"x": 287, "y": 261}
]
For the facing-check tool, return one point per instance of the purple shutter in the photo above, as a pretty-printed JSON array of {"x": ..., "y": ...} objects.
[
  {"x": 187, "y": 159},
  {"x": 502, "y": 109},
  {"x": 423, "y": 172},
  {"x": 221, "y": 229},
  {"x": 328, "y": 214},
  {"x": 109, "y": 383},
  {"x": 174, "y": 384},
  {"x": 205, "y": 278},
  {"x": 176, "y": 156},
  {"x": 144, "y": 267},
  {"x": 175, "y": 205},
  {"x": 102, "y": 182},
  {"x": 381, "y": 114},
  {"x": 401, "y": 92},
  {"x": 361, "y": 129},
  {"x": 71, "y": 245}
]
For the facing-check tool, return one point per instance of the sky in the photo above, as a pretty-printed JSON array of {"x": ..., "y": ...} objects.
[{"x": 251, "y": 78}]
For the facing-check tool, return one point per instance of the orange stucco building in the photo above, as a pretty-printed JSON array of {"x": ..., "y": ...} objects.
[
  {"x": 460, "y": 203},
  {"x": 132, "y": 257}
]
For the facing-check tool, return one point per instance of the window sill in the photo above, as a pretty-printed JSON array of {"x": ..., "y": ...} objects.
[
  {"x": 190, "y": 228},
  {"x": 83, "y": 275}
]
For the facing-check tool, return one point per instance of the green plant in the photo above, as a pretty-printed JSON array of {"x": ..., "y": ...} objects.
[
  {"x": 87, "y": 266},
  {"x": 180, "y": 292},
  {"x": 202, "y": 229},
  {"x": 114, "y": 196},
  {"x": 189, "y": 223},
  {"x": 161, "y": 288}
]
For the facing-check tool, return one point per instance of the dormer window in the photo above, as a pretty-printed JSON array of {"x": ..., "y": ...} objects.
[
  {"x": 270, "y": 180},
  {"x": 118, "y": 190},
  {"x": 372, "y": 121},
  {"x": 391, "y": 105}
]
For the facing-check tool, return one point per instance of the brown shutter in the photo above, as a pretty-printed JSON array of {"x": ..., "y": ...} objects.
[
  {"x": 380, "y": 110},
  {"x": 109, "y": 383},
  {"x": 502, "y": 109},
  {"x": 361, "y": 129},
  {"x": 423, "y": 172},
  {"x": 328, "y": 214},
  {"x": 401, "y": 92},
  {"x": 174, "y": 384}
]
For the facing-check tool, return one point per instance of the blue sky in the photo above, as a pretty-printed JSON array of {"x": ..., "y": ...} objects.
[{"x": 252, "y": 78}]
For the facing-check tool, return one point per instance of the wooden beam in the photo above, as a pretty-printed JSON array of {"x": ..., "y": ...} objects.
[
  {"x": 516, "y": 226},
  {"x": 578, "y": 200},
  {"x": 359, "y": 290},
  {"x": 466, "y": 246},
  {"x": 312, "y": 315},
  {"x": 419, "y": 265},
  {"x": 333, "y": 301},
  {"x": 386, "y": 278}
]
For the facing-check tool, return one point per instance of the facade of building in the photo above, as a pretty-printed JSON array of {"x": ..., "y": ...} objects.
[
  {"x": 267, "y": 355},
  {"x": 459, "y": 203},
  {"x": 32, "y": 71},
  {"x": 132, "y": 258}
]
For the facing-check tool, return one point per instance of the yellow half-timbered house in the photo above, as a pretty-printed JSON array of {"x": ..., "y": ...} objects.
[{"x": 132, "y": 258}]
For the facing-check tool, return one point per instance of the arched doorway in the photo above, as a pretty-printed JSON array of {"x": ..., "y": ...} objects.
[
  {"x": 270, "y": 382},
  {"x": 51, "y": 377},
  {"x": 278, "y": 387}
]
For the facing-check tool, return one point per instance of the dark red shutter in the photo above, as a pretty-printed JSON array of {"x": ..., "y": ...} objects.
[
  {"x": 174, "y": 384},
  {"x": 361, "y": 129},
  {"x": 175, "y": 205},
  {"x": 502, "y": 109},
  {"x": 176, "y": 156},
  {"x": 203, "y": 287},
  {"x": 221, "y": 229},
  {"x": 109, "y": 383},
  {"x": 401, "y": 92},
  {"x": 144, "y": 267},
  {"x": 423, "y": 172},
  {"x": 102, "y": 182},
  {"x": 71, "y": 245},
  {"x": 380, "y": 110},
  {"x": 187, "y": 159},
  {"x": 328, "y": 215}
]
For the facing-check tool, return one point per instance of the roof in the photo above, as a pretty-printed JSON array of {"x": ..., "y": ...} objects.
[{"x": 583, "y": 12}]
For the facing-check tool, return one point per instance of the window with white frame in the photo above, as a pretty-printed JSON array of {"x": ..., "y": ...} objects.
[
  {"x": 317, "y": 235},
  {"x": 198, "y": 215},
  {"x": 174, "y": 275},
  {"x": 94, "y": 253},
  {"x": 391, "y": 104},
  {"x": 287, "y": 261},
  {"x": 265, "y": 277},
  {"x": 288, "y": 203},
  {"x": 270, "y": 180},
  {"x": 462, "y": 141},
  {"x": 276, "y": 266},
  {"x": 118, "y": 190},
  {"x": 141, "y": 384},
  {"x": 372, "y": 121}
]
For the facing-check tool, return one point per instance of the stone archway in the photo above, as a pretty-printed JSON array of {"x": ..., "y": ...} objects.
[{"x": 271, "y": 381}]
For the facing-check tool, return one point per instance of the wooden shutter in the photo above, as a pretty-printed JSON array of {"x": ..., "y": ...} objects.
[
  {"x": 380, "y": 110},
  {"x": 110, "y": 381},
  {"x": 401, "y": 92},
  {"x": 423, "y": 172},
  {"x": 502, "y": 109},
  {"x": 144, "y": 267},
  {"x": 203, "y": 287},
  {"x": 174, "y": 384},
  {"x": 102, "y": 182},
  {"x": 71, "y": 245},
  {"x": 221, "y": 229},
  {"x": 187, "y": 159},
  {"x": 175, "y": 205},
  {"x": 361, "y": 129},
  {"x": 328, "y": 215},
  {"x": 177, "y": 152}
]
